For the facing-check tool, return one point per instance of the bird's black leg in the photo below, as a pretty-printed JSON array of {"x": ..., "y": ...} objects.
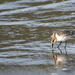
[
  {"x": 60, "y": 50},
  {"x": 59, "y": 44},
  {"x": 65, "y": 44}
]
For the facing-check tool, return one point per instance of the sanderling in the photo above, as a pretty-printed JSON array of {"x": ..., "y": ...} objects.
[{"x": 60, "y": 36}]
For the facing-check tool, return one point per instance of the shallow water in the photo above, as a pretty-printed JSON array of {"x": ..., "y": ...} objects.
[{"x": 25, "y": 30}]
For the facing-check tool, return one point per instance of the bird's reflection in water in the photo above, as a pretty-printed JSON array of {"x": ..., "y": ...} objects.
[
  {"x": 62, "y": 61},
  {"x": 59, "y": 60}
]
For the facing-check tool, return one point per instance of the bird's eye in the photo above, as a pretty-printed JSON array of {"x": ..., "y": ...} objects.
[{"x": 53, "y": 41}]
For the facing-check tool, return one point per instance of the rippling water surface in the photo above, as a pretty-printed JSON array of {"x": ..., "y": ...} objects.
[{"x": 25, "y": 30}]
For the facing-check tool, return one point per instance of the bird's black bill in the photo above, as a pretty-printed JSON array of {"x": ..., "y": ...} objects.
[{"x": 52, "y": 45}]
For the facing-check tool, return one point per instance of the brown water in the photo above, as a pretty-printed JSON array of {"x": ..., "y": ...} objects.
[{"x": 25, "y": 29}]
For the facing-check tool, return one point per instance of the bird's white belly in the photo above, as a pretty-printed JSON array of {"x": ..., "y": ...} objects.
[{"x": 61, "y": 38}]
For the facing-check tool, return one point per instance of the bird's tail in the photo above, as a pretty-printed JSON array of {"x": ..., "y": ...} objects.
[{"x": 72, "y": 33}]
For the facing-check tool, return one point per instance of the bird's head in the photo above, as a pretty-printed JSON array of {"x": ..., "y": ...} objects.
[{"x": 52, "y": 39}]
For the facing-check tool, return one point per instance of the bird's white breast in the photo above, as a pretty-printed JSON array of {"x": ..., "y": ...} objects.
[{"x": 61, "y": 37}]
